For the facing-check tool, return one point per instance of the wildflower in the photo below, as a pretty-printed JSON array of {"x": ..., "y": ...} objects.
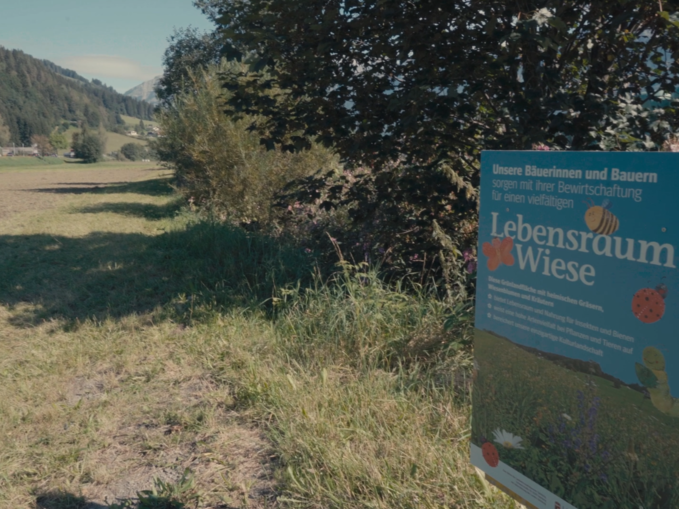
[
  {"x": 471, "y": 267},
  {"x": 507, "y": 440}
]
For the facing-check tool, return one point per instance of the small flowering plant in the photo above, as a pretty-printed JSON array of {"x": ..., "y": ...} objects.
[{"x": 574, "y": 444}]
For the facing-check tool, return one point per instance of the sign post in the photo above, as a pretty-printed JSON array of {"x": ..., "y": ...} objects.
[{"x": 576, "y": 394}]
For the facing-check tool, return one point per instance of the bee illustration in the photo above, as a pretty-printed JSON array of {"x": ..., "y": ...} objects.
[
  {"x": 601, "y": 220},
  {"x": 648, "y": 305}
]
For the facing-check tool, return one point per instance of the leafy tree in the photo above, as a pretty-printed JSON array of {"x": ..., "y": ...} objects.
[
  {"x": 92, "y": 117},
  {"x": 5, "y": 134},
  {"x": 43, "y": 144},
  {"x": 134, "y": 151},
  {"x": 409, "y": 91},
  {"x": 88, "y": 146},
  {"x": 58, "y": 140},
  {"x": 439, "y": 79},
  {"x": 189, "y": 51}
]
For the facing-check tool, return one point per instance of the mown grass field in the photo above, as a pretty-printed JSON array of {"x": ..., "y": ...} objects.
[
  {"x": 595, "y": 445},
  {"x": 133, "y": 122},
  {"x": 142, "y": 347},
  {"x": 29, "y": 162}
]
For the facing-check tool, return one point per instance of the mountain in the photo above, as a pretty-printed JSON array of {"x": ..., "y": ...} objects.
[
  {"x": 36, "y": 96},
  {"x": 145, "y": 91}
]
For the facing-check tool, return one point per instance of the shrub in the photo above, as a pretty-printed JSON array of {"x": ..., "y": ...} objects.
[
  {"x": 134, "y": 151},
  {"x": 219, "y": 163},
  {"x": 88, "y": 146}
]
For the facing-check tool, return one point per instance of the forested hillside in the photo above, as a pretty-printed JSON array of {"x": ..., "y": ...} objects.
[{"x": 36, "y": 96}]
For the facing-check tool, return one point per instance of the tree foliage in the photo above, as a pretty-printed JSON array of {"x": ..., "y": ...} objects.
[
  {"x": 58, "y": 140},
  {"x": 42, "y": 144},
  {"x": 218, "y": 162},
  {"x": 189, "y": 52},
  {"x": 134, "y": 151},
  {"x": 409, "y": 92},
  {"x": 88, "y": 146},
  {"x": 439, "y": 80},
  {"x": 5, "y": 134}
]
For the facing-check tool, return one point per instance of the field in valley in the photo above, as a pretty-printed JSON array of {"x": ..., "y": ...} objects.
[
  {"x": 149, "y": 357},
  {"x": 113, "y": 140}
]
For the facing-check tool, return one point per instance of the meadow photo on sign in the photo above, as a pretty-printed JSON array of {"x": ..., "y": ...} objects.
[{"x": 576, "y": 353}]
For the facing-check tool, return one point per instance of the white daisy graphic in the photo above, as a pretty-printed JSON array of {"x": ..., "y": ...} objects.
[{"x": 507, "y": 440}]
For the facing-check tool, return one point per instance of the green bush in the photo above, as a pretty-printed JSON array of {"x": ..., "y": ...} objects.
[
  {"x": 134, "y": 151},
  {"x": 219, "y": 163},
  {"x": 88, "y": 146}
]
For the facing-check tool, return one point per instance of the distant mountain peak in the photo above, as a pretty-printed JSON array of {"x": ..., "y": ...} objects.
[{"x": 145, "y": 91}]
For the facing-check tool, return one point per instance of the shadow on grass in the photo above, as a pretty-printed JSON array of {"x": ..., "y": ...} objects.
[
  {"x": 152, "y": 187},
  {"x": 190, "y": 271},
  {"x": 132, "y": 209},
  {"x": 64, "y": 500}
]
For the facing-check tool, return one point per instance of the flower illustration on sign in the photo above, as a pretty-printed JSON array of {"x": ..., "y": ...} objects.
[
  {"x": 499, "y": 252},
  {"x": 507, "y": 440}
]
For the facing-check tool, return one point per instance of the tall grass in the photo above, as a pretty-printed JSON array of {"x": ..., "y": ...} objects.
[{"x": 363, "y": 393}]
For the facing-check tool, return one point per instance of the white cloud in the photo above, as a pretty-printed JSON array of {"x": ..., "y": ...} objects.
[{"x": 109, "y": 66}]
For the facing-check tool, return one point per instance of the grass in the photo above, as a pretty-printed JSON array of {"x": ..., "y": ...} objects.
[
  {"x": 144, "y": 349},
  {"x": 113, "y": 140},
  {"x": 21, "y": 161},
  {"x": 134, "y": 122},
  {"x": 609, "y": 452}
]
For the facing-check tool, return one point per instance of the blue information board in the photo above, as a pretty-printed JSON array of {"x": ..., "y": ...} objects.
[{"x": 576, "y": 393}]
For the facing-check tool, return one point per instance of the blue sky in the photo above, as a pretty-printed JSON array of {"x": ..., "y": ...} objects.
[{"x": 120, "y": 42}]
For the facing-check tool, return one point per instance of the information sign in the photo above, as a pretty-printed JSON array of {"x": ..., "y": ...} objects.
[{"x": 576, "y": 389}]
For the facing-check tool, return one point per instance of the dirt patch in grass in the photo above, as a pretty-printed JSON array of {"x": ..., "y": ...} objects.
[{"x": 229, "y": 462}]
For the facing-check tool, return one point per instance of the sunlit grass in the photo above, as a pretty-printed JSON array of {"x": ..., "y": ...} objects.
[{"x": 138, "y": 341}]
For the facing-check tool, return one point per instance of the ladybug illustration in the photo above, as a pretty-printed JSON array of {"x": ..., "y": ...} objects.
[
  {"x": 648, "y": 305},
  {"x": 490, "y": 454}
]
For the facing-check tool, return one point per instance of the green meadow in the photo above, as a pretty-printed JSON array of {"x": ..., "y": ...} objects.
[
  {"x": 594, "y": 445},
  {"x": 28, "y": 162},
  {"x": 153, "y": 358}
]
